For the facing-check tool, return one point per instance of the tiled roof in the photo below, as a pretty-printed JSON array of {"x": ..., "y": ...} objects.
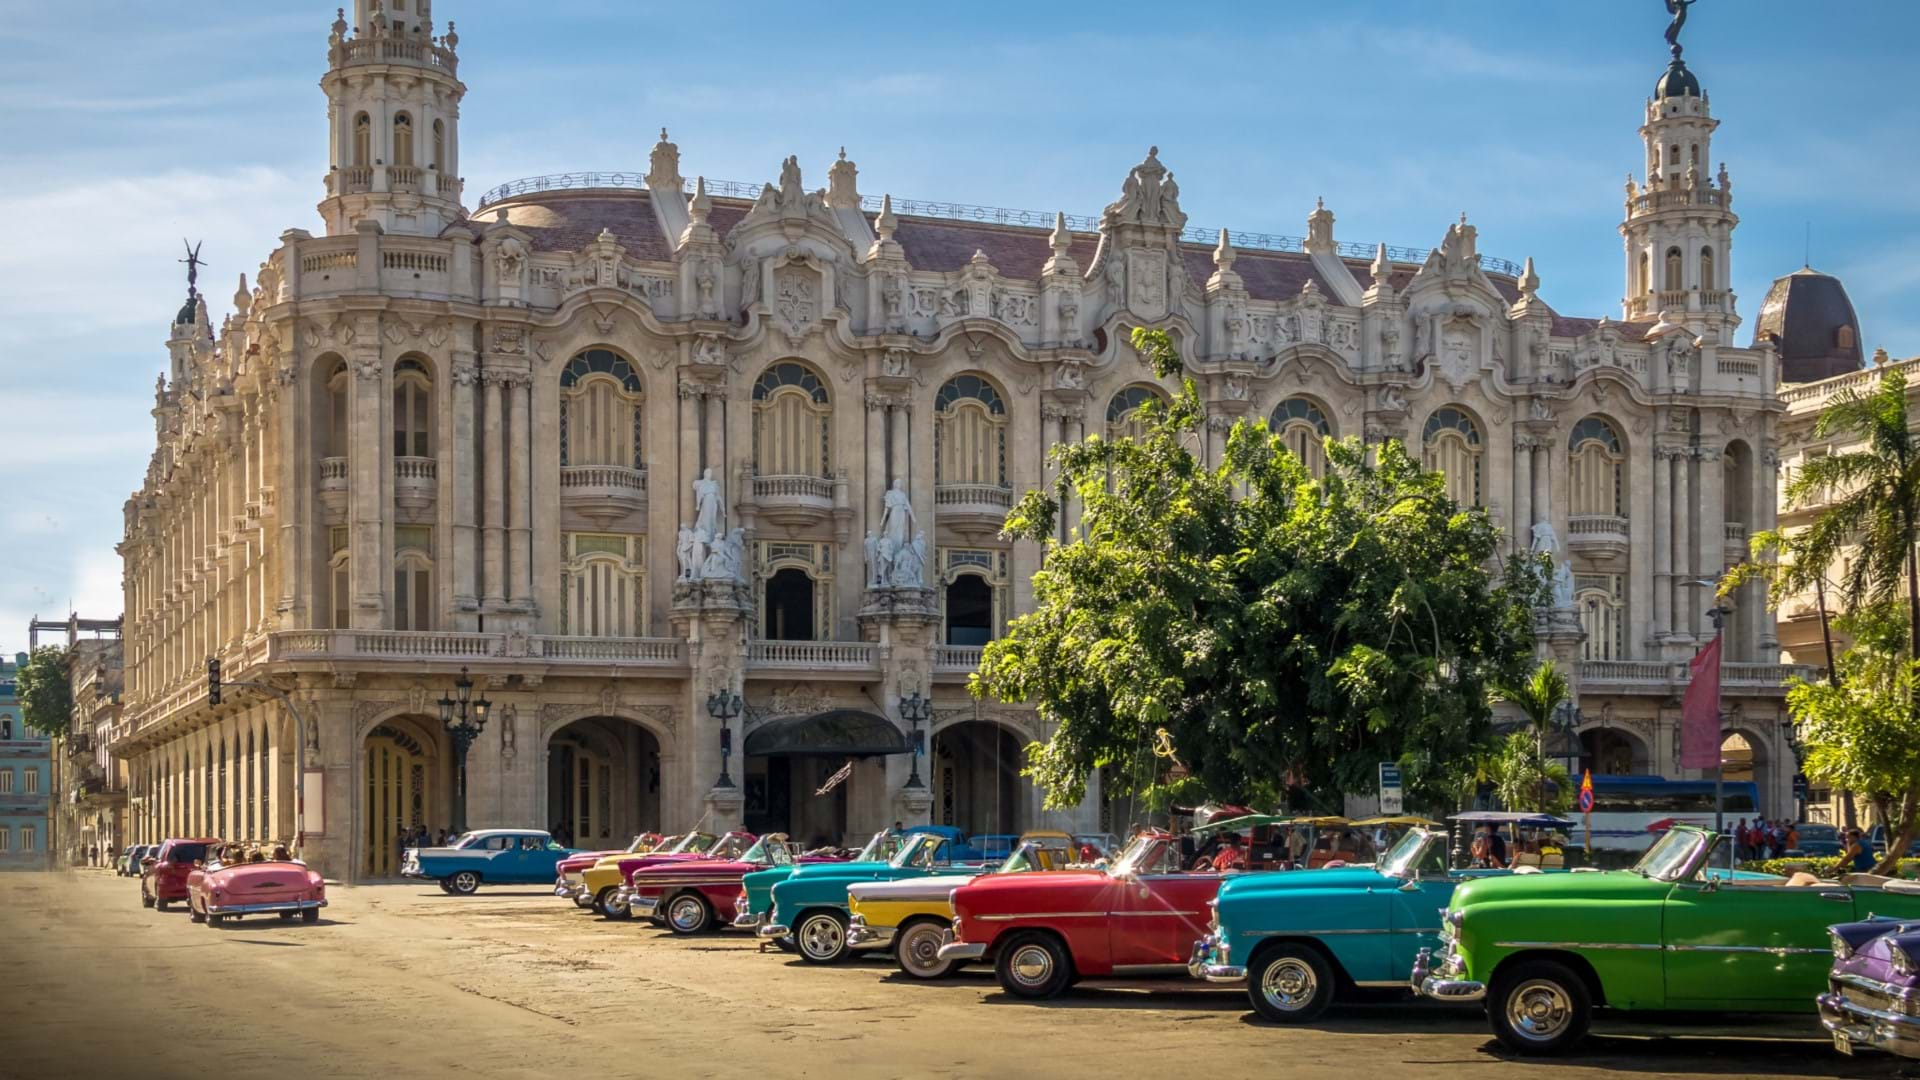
[
  {"x": 570, "y": 220},
  {"x": 945, "y": 246}
]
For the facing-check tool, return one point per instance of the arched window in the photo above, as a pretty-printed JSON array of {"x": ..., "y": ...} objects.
[
  {"x": 439, "y": 160},
  {"x": 601, "y": 412},
  {"x": 1706, "y": 268},
  {"x": 1598, "y": 467},
  {"x": 1303, "y": 427},
  {"x": 413, "y": 577},
  {"x": 1452, "y": 445},
  {"x": 1123, "y": 421},
  {"x": 969, "y": 433},
  {"x": 1673, "y": 154},
  {"x": 1675, "y": 280},
  {"x": 412, "y": 409},
  {"x": 339, "y": 386},
  {"x": 791, "y": 418},
  {"x": 603, "y": 585},
  {"x": 362, "y": 141},
  {"x": 403, "y": 140},
  {"x": 969, "y": 610}
]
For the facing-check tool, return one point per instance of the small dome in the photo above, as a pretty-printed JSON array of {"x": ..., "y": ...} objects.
[
  {"x": 185, "y": 318},
  {"x": 1677, "y": 81},
  {"x": 1810, "y": 320}
]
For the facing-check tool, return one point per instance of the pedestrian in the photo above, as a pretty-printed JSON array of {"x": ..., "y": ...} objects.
[
  {"x": 1793, "y": 837},
  {"x": 1231, "y": 855},
  {"x": 1857, "y": 858}
]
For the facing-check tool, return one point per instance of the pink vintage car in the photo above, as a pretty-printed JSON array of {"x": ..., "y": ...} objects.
[{"x": 219, "y": 891}]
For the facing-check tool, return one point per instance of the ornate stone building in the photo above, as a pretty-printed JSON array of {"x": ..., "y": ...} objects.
[{"x": 623, "y": 446}]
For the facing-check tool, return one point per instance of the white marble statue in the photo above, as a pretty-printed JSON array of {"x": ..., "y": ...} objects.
[
  {"x": 896, "y": 519},
  {"x": 725, "y": 557},
  {"x": 909, "y": 569},
  {"x": 687, "y": 548},
  {"x": 876, "y": 571},
  {"x": 708, "y": 516},
  {"x": 1563, "y": 586},
  {"x": 1545, "y": 540}
]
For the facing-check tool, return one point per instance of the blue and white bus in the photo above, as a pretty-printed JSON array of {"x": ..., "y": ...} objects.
[{"x": 1631, "y": 812}]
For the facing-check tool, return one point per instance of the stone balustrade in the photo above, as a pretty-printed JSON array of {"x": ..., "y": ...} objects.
[
  {"x": 957, "y": 657},
  {"x": 811, "y": 655}
]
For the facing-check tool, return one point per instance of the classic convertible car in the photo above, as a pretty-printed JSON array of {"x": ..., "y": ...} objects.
[
  {"x": 218, "y": 891},
  {"x": 1873, "y": 990},
  {"x": 693, "y": 895},
  {"x": 493, "y": 856},
  {"x": 603, "y": 880},
  {"x": 1139, "y": 916},
  {"x": 1299, "y": 939},
  {"x": 911, "y": 914},
  {"x": 163, "y": 874},
  {"x": 1544, "y": 951},
  {"x": 754, "y": 906},
  {"x": 811, "y": 904},
  {"x": 568, "y": 872}
]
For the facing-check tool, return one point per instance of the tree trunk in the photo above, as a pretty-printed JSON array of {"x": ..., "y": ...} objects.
[{"x": 1898, "y": 838}]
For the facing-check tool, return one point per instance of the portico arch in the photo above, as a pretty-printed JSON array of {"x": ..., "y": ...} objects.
[
  {"x": 405, "y": 782},
  {"x": 976, "y": 781},
  {"x": 1613, "y": 751},
  {"x": 602, "y": 780}
]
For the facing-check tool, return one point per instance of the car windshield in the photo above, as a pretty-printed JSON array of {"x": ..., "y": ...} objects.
[
  {"x": 464, "y": 840},
  {"x": 1670, "y": 855},
  {"x": 643, "y": 842},
  {"x": 696, "y": 843},
  {"x": 880, "y": 848},
  {"x": 1147, "y": 854},
  {"x": 1034, "y": 855},
  {"x": 921, "y": 850},
  {"x": 730, "y": 848},
  {"x": 1409, "y": 855},
  {"x": 186, "y": 853},
  {"x": 770, "y": 850}
]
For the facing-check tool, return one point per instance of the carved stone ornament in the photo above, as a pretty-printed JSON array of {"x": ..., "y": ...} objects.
[
  {"x": 364, "y": 714},
  {"x": 1148, "y": 196},
  {"x": 796, "y": 299},
  {"x": 1147, "y": 283},
  {"x": 510, "y": 339}
]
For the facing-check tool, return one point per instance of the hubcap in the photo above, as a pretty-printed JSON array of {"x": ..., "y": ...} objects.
[
  {"x": 920, "y": 950},
  {"x": 1031, "y": 965},
  {"x": 687, "y": 913},
  {"x": 1289, "y": 984},
  {"x": 465, "y": 882},
  {"x": 1539, "y": 1010},
  {"x": 613, "y": 904},
  {"x": 821, "y": 936}
]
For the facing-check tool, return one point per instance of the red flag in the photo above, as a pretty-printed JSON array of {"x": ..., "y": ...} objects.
[{"x": 1700, "y": 710}]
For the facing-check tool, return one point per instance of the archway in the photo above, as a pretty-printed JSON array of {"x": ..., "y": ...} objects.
[
  {"x": 976, "y": 780},
  {"x": 789, "y": 606},
  {"x": 795, "y": 781},
  {"x": 603, "y": 782},
  {"x": 1609, "y": 751},
  {"x": 1746, "y": 757},
  {"x": 405, "y": 784}
]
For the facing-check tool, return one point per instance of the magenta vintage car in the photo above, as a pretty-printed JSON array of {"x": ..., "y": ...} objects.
[
  {"x": 219, "y": 891},
  {"x": 1873, "y": 988}
]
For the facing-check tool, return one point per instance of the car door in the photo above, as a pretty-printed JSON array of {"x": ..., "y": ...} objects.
[
  {"x": 1734, "y": 944},
  {"x": 1158, "y": 913}
]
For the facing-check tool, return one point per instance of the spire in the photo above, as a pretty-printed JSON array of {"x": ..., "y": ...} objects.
[
  {"x": 1319, "y": 230},
  {"x": 886, "y": 223},
  {"x": 1529, "y": 281},
  {"x": 1223, "y": 253},
  {"x": 1382, "y": 268},
  {"x": 1060, "y": 239},
  {"x": 701, "y": 206},
  {"x": 663, "y": 167},
  {"x": 843, "y": 190},
  {"x": 242, "y": 298}
]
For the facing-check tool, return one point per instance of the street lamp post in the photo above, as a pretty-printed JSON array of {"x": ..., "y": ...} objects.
[
  {"x": 465, "y": 717},
  {"x": 724, "y": 705},
  {"x": 914, "y": 709}
]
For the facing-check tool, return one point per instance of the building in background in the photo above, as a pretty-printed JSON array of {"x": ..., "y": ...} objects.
[
  {"x": 701, "y": 482},
  {"x": 26, "y": 778},
  {"x": 88, "y": 796}
]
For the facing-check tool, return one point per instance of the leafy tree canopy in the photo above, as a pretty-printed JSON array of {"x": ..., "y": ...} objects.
[
  {"x": 46, "y": 694},
  {"x": 1251, "y": 632}
]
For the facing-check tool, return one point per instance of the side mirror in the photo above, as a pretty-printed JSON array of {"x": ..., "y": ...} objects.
[{"x": 1412, "y": 884}]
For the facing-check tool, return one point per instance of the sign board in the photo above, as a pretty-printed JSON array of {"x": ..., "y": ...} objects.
[
  {"x": 1391, "y": 801},
  {"x": 1800, "y": 785},
  {"x": 315, "y": 783},
  {"x": 1586, "y": 792}
]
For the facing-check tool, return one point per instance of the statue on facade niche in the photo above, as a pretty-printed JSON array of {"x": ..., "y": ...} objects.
[
  {"x": 690, "y": 547},
  {"x": 909, "y": 570},
  {"x": 708, "y": 516},
  {"x": 896, "y": 517},
  {"x": 725, "y": 557},
  {"x": 703, "y": 282},
  {"x": 876, "y": 570},
  {"x": 1563, "y": 585},
  {"x": 1545, "y": 540}
]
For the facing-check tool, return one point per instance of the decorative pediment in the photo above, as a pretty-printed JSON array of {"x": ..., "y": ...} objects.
[
  {"x": 790, "y": 207},
  {"x": 1147, "y": 197}
]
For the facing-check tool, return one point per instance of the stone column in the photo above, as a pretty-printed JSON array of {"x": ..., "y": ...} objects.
[
  {"x": 713, "y": 452},
  {"x": 1522, "y": 492},
  {"x": 493, "y": 482},
  {"x": 1662, "y": 544},
  {"x": 367, "y": 513},
  {"x": 897, "y": 452},
  {"x": 875, "y": 484},
  {"x": 458, "y": 465},
  {"x": 689, "y": 448},
  {"x": 1765, "y": 492},
  {"x": 1710, "y": 547},
  {"x": 519, "y": 477},
  {"x": 1542, "y": 506},
  {"x": 1686, "y": 609}
]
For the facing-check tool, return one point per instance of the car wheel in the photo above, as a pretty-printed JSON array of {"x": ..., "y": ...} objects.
[
  {"x": 1539, "y": 1007},
  {"x": 1290, "y": 984},
  {"x": 1033, "y": 966},
  {"x": 689, "y": 914},
  {"x": 916, "y": 948},
  {"x": 464, "y": 883},
  {"x": 785, "y": 944},
  {"x": 610, "y": 906},
  {"x": 311, "y": 914},
  {"x": 160, "y": 905},
  {"x": 821, "y": 937},
  {"x": 194, "y": 914},
  {"x": 146, "y": 899}
]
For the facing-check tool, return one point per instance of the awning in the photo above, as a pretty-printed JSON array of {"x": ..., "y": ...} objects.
[{"x": 833, "y": 733}]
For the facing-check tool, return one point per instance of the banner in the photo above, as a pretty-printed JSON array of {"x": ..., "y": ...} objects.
[
  {"x": 834, "y": 780},
  {"x": 1700, "y": 710}
]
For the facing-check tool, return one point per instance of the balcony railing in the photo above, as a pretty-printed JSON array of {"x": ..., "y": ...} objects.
[
  {"x": 811, "y": 655},
  {"x": 1736, "y": 532},
  {"x": 403, "y": 178},
  {"x": 1673, "y": 673},
  {"x": 793, "y": 486},
  {"x": 1864, "y": 379},
  {"x": 1591, "y": 524},
  {"x": 355, "y": 178},
  {"x": 413, "y": 469},
  {"x": 333, "y": 474},
  {"x": 603, "y": 476},
  {"x": 957, "y": 657}
]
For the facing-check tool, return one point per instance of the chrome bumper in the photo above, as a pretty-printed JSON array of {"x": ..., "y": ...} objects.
[
  {"x": 862, "y": 936},
  {"x": 264, "y": 909},
  {"x": 642, "y": 906},
  {"x": 1203, "y": 964},
  {"x": 771, "y": 929},
  {"x": 1440, "y": 983},
  {"x": 1854, "y": 1024},
  {"x": 959, "y": 950},
  {"x": 745, "y": 918}
]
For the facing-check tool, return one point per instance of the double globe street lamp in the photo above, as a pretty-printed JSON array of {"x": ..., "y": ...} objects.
[
  {"x": 723, "y": 706},
  {"x": 915, "y": 709},
  {"x": 465, "y": 717}
]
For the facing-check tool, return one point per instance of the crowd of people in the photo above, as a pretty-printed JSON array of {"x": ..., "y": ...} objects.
[
  {"x": 1763, "y": 839},
  {"x": 420, "y": 836}
]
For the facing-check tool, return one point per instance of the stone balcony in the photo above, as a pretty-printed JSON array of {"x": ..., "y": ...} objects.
[
  {"x": 856, "y": 659},
  {"x": 416, "y": 480},
  {"x": 333, "y": 483},
  {"x": 973, "y": 509},
  {"x": 1736, "y": 541},
  {"x": 961, "y": 660},
  {"x": 1669, "y": 677},
  {"x": 795, "y": 500},
  {"x": 603, "y": 493},
  {"x": 1598, "y": 536}
]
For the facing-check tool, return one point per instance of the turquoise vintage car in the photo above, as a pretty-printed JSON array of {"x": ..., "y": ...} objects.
[
  {"x": 1299, "y": 937},
  {"x": 490, "y": 856},
  {"x": 811, "y": 905},
  {"x": 755, "y": 906},
  {"x": 1665, "y": 936}
]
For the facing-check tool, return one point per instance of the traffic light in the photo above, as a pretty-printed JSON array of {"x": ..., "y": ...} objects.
[{"x": 213, "y": 680}]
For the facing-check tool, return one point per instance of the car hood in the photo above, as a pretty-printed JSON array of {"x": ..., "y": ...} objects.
[
  {"x": 862, "y": 871},
  {"x": 1554, "y": 888},
  {"x": 705, "y": 867},
  {"x": 1266, "y": 883},
  {"x": 927, "y": 889}
]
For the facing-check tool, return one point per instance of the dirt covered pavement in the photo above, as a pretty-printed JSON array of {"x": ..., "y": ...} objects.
[{"x": 401, "y": 980}]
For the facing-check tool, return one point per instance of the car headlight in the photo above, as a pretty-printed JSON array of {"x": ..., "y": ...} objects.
[
  {"x": 1841, "y": 950},
  {"x": 1902, "y": 963},
  {"x": 1453, "y": 918}
]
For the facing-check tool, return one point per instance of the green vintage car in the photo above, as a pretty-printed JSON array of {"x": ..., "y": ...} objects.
[{"x": 1543, "y": 951}]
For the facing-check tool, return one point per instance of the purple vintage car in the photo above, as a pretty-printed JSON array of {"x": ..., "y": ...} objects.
[{"x": 1873, "y": 991}]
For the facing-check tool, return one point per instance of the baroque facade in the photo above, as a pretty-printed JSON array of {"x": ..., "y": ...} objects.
[{"x": 625, "y": 445}]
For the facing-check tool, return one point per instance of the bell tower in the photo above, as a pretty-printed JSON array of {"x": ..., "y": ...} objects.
[
  {"x": 393, "y": 120},
  {"x": 1679, "y": 220}
]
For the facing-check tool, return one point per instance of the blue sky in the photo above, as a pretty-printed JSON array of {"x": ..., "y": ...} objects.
[{"x": 139, "y": 123}]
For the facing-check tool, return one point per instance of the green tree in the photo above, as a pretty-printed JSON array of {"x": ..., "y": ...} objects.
[
  {"x": 1523, "y": 779},
  {"x": 46, "y": 693},
  {"x": 1858, "y": 731},
  {"x": 1539, "y": 697},
  {"x": 1251, "y": 628}
]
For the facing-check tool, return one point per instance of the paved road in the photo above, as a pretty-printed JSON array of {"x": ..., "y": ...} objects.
[{"x": 401, "y": 980}]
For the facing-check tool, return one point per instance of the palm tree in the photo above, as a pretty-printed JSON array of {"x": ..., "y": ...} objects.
[
  {"x": 1524, "y": 780},
  {"x": 1538, "y": 697}
]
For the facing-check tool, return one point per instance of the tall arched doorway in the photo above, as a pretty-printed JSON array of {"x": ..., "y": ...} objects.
[
  {"x": 977, "y": 786},
  {"x": 404, "y": 785},
  {"x": 1745, "y": 757},
  {"x": 1613, "y": 752},
  {"x": 789, "y": 606},
  {"x": 969, "y": 610},
  {"x": 603, "y": 782}
]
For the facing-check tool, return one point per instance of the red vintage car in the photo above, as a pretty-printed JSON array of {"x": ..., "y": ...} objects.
[
  {"x": 218, "y": 891},
  {"x": 695, "y": 895},
  {"x": 163, "y": 876},
  {"x": 1042, "y": 932},
  {"x": 605, "y": 880},
  {"x": 568, "y": 874}
]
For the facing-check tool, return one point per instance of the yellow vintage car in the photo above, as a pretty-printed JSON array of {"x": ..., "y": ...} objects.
[
  {"x": 601, "y": 881},
  {"x": 909, "y": 916}
]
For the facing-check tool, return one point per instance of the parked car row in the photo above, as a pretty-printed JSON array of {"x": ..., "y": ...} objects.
[{"x": 219, "y": 881}]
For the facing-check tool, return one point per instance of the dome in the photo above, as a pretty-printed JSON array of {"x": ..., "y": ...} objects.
[
  {"x": 1677, "y": 81},
  {"x": 1810, "y": 320}
]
